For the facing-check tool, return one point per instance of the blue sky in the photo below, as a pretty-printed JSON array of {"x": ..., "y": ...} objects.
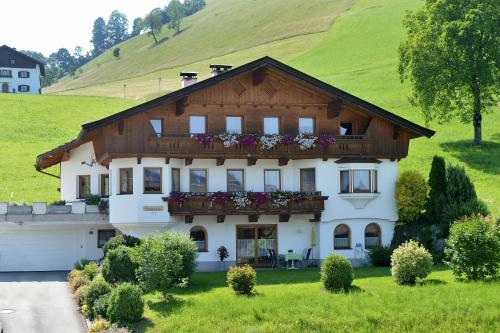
[{"x": 47, "y": 25}]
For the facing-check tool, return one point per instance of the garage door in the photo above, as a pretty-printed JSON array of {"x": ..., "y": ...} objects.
[{"x": 39, "y": 250}]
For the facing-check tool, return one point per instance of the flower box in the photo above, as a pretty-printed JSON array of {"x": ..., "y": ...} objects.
[
  {"x": 78, "y": 207},
  {"x": 19, "y": 210},
  {"x": 58, "y": 209},
  {"x": 39, "y": 208},
  {"x": 3, "y": 208},
  {"x": 92, "y": 209}
]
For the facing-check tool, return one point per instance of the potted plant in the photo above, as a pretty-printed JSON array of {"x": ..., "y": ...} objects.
[
  {"x": 58, "y": 207},
  {"x": 22, "y": 209},
  {"x": 223, "y": 254},
  {"x": 103, "y": 206},
  {"x": 92, "y": 201}
]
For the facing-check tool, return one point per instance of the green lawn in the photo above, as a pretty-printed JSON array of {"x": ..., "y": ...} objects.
[{"x": 293, "y": 301}]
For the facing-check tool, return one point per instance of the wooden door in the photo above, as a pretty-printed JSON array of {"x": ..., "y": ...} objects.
[{"x": 253, "y": 244}]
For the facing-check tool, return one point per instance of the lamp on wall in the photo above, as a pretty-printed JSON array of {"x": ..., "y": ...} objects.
[{"x": 91, "y": 163}]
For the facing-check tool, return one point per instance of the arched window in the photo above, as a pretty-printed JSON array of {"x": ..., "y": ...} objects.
[
  {"x": 372, "y": 236},
  {"x": 342, "y": 237},
  {"x": 199, "y": 236}
]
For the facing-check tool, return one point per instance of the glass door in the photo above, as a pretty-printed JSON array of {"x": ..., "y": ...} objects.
[{"x": 253, "y": 244}]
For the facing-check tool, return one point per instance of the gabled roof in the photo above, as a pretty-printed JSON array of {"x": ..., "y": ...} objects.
[
  {"x": 250, "y": 67},
  {"x": 4, "y": 49}
]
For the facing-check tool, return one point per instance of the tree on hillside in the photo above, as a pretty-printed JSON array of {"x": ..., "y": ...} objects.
[
  {"x": 175, "y": 11},
  {"x": 62, "y": 59},
  {"x": 35, "y": 55},
  {"x": 152, "y": 23},
  {"x": 99, "y": 37},
  {"x": 137, "y": 27},
  {"x": 117, "y": 28},
  {"x": 193, "y": 6},
  {"x": 451, "y": 58}
]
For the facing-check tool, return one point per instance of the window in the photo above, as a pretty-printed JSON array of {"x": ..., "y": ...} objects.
[
  {"x": 308, "y": 180},
  {"x": 103, "y": 236},
  {"x": 358, "y": 181},
  {"x": 271, "y": 125},
  {"x": 272, "y": 180},
  {"x": 235, "y": 180},
  {"x": 372, "y": 236},
  {"x": 234, "y": 124},
  {"x": 197, "y": 124},
  {"x": 342, "y": 237},
  {"x": 83, "y": 186},
  {"x": 12, "y": 62},
  {"x": 5, "y": 73},
  {"x": 176, "y": 180},
  {"x": 121, "y": 127},
  {"x": 345, "y": 128},
  {"x": 104, "y": 185},
  {"x": 126, "y": 181},
  {"x": 199, "y": 236},
  {"x": 157, "y": 125},
  {"x": 152, "y": 180},
  {"x": 23, "y": 74},
  {"x": 306, "y": 125},
  {"x": 198, "y": 180},
  {"x": 23, "y": 88}
]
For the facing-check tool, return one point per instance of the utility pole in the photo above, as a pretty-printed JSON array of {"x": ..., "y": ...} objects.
[
  {"x": 159, "y": 85},
  {"x": 124, "y": 86}
]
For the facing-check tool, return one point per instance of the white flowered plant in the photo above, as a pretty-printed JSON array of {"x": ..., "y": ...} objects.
[
  {"x": 306, "y": 141},
  {"x": 280, "y": 199},
  {"x": 228, "y": 139},
  {"x": 240, "y": 199},
  {"x": 268, "y": 142}
]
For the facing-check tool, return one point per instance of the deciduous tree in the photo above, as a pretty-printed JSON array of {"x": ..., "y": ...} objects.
[
  {"x": 117, "y": 28},
  {"x": 175, "y": 11},
  {"x": 152, "y": 23}
]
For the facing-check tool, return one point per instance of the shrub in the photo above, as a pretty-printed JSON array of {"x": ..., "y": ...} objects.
[
  {"x": 474, "y": 248},
  {"x": 99, "y": 325},
  {"x": 165, "y": 260},
  {"x": 58, "y": 203},
  {"x": 73, "y": 274},
  {"x": 460, "y": 210},
  {"x": 114, "y": 242},
  {"x": 77, "y": 281},
  {"x": 409, "y": 262},
  {"x": 459, "y": 187},
  {"x": 96, "y": 290},
  {"x": 80, "y": 293},
  {"x": 242, "y": 279},
  {"x": 101, "y": 306},
  {"x": 336, "y": 273},
  {"x": 90, "y": 270},
  {"x": 381, "y": 256},
  {"x": 437, "y": 189},
  {"x": 118, "y": 266},
  {"x": 80, "y": 263},
  {"x": 411, "y": 195},
  {"x": 125, "y": 304},
  {"x": 92, "y": 199}
]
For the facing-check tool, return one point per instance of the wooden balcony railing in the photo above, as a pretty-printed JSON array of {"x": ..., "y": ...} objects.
[
  {"x": 185, "y": 146},
  {"x": 197, "y": 204}
]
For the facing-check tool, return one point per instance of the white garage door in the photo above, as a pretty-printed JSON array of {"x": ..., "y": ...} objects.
[{"x": 38, "y": 250}]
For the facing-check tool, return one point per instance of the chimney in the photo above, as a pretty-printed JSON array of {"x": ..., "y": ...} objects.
[
  {"x": 218, "y": 69},
  {"x": 188, "y": 78}
]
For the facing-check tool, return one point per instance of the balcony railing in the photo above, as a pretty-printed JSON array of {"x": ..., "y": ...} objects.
[
  {"x": 196, "y": 204},
  {"x": 186, "y": 146}
]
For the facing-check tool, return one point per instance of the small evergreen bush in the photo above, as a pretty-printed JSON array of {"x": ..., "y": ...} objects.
[
  {"x": 78, "y": 280},
  {"x": 336, "y": 273},
  {"x": 437, "y": 190},
  {"x": 380, "y": 256},
  {"x": 80, "y": 263},
  {"x": 242, "y": 279},
  {"x": 125, "y": 304},
  {"x": 409, "y": 262},
  {"x": 80, "y": 293},
  {"x": 114, "y": 242},
  {"x": 92, "y": 199},
  {"x": 118, "y": 266},
  {"x": 459, "y": 210},
  {"x": 474, "y": 248},
  {"x": 411, "y": 195},
  {"x": 101, "y": 306},
  {"x": 73, "y": 274},
  {"x": 90, "y": 270},
  {"x": 97, "y": 288}
]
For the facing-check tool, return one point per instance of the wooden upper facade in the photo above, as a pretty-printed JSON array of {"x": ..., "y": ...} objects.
[{"x": 260, "y": 89}]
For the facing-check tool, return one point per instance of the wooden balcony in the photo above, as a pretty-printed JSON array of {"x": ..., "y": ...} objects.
[
  {"x": 200, "y": 204},
  {"x": 184, "y": 146}
]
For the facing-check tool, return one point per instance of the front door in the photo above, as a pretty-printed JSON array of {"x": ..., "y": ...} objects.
[
  {"x": 254, "y": 242},
  {"x": 5, "y": 87}
]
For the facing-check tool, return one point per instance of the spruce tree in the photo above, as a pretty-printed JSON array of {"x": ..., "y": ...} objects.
[{"x": 437, "y": 192}]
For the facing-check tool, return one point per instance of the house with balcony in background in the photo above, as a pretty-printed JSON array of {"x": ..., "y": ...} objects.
[
  {"x": 262, "y": 159},
  {"x": 19, "y": 73}
]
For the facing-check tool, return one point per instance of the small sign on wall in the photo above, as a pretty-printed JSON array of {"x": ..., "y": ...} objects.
[{"x": 152, "y": 208}]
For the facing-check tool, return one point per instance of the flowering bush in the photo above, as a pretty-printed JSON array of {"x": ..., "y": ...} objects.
[
  {"x": 268, "y": 142},
  {"x": 306, "y": 141},
  {"x": 204, "y": 139},
  {"x": 297, "y": 196},
  {"x": 409, "y": 262},
  {"x": 280, "y": 199},
  {"x": 219, "y": 197},
  {"x": 287, "y": 139},
  {"x": 247, "y": 140},
  {"x": 240, "y": 199},
  {"x": 222, "y": 252},
  {"x": 179, "y": 198},
  {"x": 325, "y": 140},
  {"x": 259, "y": 198},
  {"x": 229, "y": 139}
]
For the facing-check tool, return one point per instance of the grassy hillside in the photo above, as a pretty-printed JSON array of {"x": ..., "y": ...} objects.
[
  {"x": 358, "y": 53},
  {"x": 31, "y": 125}
]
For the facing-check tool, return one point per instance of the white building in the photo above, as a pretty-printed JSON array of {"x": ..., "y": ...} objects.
[
  {"x": 19, "y": 73},
  {"x": 162, "y": 169}
]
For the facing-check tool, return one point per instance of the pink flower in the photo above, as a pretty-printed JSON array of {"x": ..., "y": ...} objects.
[
  {"x": 247, "y": 140},
  {"x": 326, "y": 140}
]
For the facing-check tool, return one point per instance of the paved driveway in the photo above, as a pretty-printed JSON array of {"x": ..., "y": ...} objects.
[{"x": 41, "y": 303}]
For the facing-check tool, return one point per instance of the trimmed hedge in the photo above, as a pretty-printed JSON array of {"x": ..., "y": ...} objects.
[
  {"x": 97, "y": 288},
  {"x": 242, "y": 279},
  {"x": 125, "y": 304},
  {"x": 120, "y": 240},
  {"x": 336, "y": 273},
  {"x": 118, "y": 266}
]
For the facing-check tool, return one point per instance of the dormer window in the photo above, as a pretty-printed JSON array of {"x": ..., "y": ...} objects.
[
  {"x": 346, "y": 129},
  {"x": 157, "y": 125},
  {"x": 12, "y": 62}
]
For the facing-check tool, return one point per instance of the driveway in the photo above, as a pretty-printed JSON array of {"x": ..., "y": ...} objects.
[{"x": 38, "y": 302}]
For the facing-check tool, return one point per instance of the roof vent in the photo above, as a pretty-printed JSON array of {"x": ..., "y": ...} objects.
[
  {"x": 188, "y": 78},
  {"x": 218, "y": 69}
]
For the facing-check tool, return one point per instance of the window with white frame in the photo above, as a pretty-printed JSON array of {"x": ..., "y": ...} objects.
[
  {"x": 157, "y": 125},
  {"x": 197, "y": 124},
  {"x": 271, "y": 125},
  {"x": 23, "y": 88},
  {"x": 234, "y": 124},
  {"x": 358, "y": 181},
  {"x": 306, "y": 125}
]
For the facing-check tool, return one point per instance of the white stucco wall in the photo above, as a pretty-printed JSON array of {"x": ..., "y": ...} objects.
[{"x": 33, "y": 81}]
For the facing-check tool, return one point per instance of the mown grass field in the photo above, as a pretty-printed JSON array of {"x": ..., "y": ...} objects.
[{"x": 294, "y": 301}]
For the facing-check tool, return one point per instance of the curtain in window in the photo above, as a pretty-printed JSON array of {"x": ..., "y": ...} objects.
[
  {"x": 233, "y": 125},
  {"x": 198, "y": 181},
  {"x": 176, "y": 180},
  {"x": 152, "y": 180},
  {"x": 272, "y": 180},
  {"x": 344, "y": 181},
  {"x": 126, "y": 181},
  {"x": 271, "y": 125},
  {"x": 235, "y": 180},
  {"x": 361, "y": 181},
  {"x": 197, "y": 124},
  {"x": 308, "y": 180},
  {"x": 306, "y": 125}
]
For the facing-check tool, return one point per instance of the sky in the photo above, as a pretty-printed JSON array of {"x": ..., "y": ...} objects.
[{"x": 47, "y": 25}]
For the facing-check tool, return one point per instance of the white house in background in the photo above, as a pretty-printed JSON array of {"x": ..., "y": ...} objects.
[
  {"x": 19, "y": 73},
  {"x": 307, "y": 166}
]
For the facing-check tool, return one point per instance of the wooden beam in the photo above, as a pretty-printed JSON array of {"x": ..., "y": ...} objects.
[
  {"x": 188, "y": 161},
  {"x": 65, "y": 156},
  {"x": 283, "y": 161},
  {"x": 167, "y": 160},
  {"x": 139, "y": 160},
  {"x": 333, "y": 108},
  {"x": 251, "y": 161},
  {"x": 325, "y": 159},
  {"x": 188, "y": 219},
  {"x": 221, "y": 218},
  {"x": 259, "y": 75},
  {"x": 316, "y": 218},
  {"x": 220, "y": 161},
  {"x": 397, "y": 132},
  {"x": 284, "y": 217},
  {"x": 180, "y": 106},
  {"x": 253, "y": 218}
]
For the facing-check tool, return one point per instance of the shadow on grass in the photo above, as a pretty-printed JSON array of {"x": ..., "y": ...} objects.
[
  {"x": 165, "y": 307},
  {"x": 485, "y": 158},
  {"x": 432, "y": 282},
  {"x": 182, "y": 30}
]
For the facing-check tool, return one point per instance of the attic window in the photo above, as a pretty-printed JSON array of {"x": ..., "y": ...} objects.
[
  {"x": 12, "y": 61},
  {"x": 157, "y": 125},
  {"x": 345, "y": 128},
  {"x": 120, "y": 128}
]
